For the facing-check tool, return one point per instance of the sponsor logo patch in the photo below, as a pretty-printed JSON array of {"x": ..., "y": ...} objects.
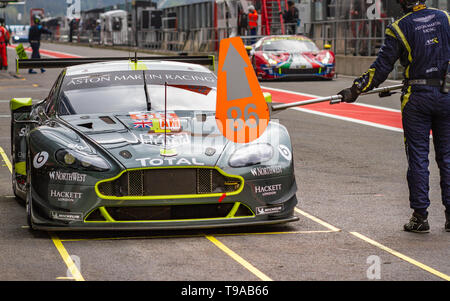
[
  {"x": 67, "y": 216},
  {"x": 424, "y": 19},
  {"x": 67, "y": 176},
  {"x": 266, "y": 171},
  {"x": 156, "y": 122},
  {"x": 65, "y": 196},
  {"x": 170, "y": 161},
  {"x": 268, "y": 189},
  {"x": 268, "y": 209},
  {"x": 171, "y": 140}
]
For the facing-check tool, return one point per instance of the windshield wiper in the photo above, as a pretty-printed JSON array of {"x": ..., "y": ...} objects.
[{"x": 147, "y": 98}]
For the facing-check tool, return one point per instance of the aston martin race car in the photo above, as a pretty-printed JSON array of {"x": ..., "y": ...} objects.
[
  {"x": 124, "y": 144},
  {"x": 278, "y": 57}
]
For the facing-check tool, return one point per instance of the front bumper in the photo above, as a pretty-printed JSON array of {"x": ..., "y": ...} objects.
[
  {"x": 275, "y": 72},
  {"x": 247, "y": 207}
]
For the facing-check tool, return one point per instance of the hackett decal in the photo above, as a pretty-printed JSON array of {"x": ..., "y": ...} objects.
[
  {"x": 65, "y": 196},
  {"x": 268, "y": 189}
]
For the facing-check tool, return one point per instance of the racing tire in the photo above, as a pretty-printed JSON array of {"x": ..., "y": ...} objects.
[
  {"x": 29, "y": 198},
  {"x": 28, "y": 207},
  {"x": 19, "y": 199}
]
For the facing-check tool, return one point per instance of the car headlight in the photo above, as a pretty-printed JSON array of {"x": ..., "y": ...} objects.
[
  {"x": 251, "y": 154},
  {"x": 326, "y": 58},
  {"x": 270, "y": 60},
  {"x": 74, "y": 159}
]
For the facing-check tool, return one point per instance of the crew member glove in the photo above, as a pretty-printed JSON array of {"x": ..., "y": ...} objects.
[{"x": 350, "y": 94}]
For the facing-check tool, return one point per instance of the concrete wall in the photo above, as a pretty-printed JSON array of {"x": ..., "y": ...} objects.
[{"x": 357, "y": 65}]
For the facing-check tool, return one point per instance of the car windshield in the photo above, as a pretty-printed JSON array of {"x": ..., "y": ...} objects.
[
  {"x": 119, "y": 92},
  {"x": 290, "y": 45}
]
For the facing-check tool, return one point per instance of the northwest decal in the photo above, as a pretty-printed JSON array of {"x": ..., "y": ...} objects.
[
  {"x": 242, "y": 114},
  {"x": 266, "y": 171},
  {"x": 156, "y": 122},
  {"x": 67, "y": 176}
]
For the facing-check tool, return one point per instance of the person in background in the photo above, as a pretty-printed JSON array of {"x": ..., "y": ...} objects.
[
  {"x": 34, "y": 38},
  {"x": 4, "y": 40},
  {"x": 291, "y": 18},
  {"x": 252, "y": 21}
]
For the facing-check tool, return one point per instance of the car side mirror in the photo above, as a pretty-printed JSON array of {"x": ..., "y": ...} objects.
[
  {"x": 20, "y": 105},
  {"x": 267, "y": 97},
  {"x": 20, "y": 110},
  {"x": 249, "y": 49}
]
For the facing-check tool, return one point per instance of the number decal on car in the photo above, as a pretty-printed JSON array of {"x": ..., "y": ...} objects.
[{"x": 40, "y": 159}]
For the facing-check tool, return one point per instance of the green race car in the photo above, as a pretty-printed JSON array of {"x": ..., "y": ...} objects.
[{"x": 135, "y": 145}]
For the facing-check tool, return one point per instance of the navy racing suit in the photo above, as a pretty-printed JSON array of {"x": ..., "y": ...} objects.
[{"x": 420, "y": 39}]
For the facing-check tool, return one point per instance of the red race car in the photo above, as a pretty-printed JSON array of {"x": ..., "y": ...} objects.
[{"x": 276, "y": 57}]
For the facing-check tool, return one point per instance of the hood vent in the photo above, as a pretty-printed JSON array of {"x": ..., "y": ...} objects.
[
  {"x": 107, "y": 119},
  {"x": 87, "y": 125}
]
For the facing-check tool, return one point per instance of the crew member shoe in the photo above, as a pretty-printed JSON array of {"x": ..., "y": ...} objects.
[
  {"x": 417, "y": 224},
  {"x": 42, "y": 70}
]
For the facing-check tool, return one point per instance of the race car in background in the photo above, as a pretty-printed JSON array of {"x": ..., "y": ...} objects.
[
  {"x": 279, "y": 57},
  {"x": 122, "y": 144}
]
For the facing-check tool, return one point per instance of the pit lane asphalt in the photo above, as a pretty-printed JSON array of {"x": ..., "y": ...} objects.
[{"x": 350, "y": 176}]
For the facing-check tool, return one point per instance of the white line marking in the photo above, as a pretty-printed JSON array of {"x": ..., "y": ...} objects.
[{"x": 385, "y": 127}]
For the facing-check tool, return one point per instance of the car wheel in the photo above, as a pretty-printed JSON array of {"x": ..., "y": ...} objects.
[{"x": 29, "y": 199}]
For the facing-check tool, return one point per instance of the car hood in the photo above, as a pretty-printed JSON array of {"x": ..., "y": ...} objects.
[{"x": 139, "y": 140}]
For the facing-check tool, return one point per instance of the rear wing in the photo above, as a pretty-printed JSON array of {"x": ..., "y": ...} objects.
[{"x": 207, "y": 60}]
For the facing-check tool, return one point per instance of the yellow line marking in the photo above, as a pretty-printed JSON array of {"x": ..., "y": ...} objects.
[
  {"x": 238, "y": 258},
  {"x": 401, "y": 256},
  {"x": 319, "y": 221},
  {"x": 5, "y": 159},
  {"x": 56, "y": 241},
  {"x": 65, "y": 278},
  {"x": 67, "y": 259},
  {"x": 192, "y": 235}
]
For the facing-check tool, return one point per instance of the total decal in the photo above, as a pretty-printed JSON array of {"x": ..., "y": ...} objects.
[
  {"x": 156, "y": 122},
  {"x": 168, "y": 161},
  {"x": 267, "y": 190},
  {"x": 67, "y": 176},
  {"x": 65, "y": 196}
]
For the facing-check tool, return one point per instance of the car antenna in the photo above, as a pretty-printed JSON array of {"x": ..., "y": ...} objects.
[
  {"x": 165, "y": 116},
  {"x": 147, "y": 98}
]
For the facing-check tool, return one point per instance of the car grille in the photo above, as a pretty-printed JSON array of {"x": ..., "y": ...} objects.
[
  {"x": 169, "y": 182},
  {"x": 297, "y": 71},
  {"x": 169, "y": 212}
]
